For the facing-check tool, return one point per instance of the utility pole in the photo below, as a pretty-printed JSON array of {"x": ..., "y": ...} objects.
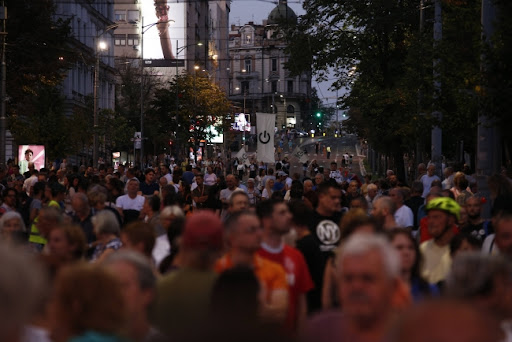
[
  {"x": 437, "y": 134},
  {"x": 488, "y": 137},
  {"x": 3, "y": 119}
]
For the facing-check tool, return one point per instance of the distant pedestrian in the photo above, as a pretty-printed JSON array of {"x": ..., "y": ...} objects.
[
  {"x": 328, "y": 152},
  {"x": 317, "y": 147}
]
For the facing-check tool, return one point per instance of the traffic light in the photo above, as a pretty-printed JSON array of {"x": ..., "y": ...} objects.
[{"x": 318, "y": 114}]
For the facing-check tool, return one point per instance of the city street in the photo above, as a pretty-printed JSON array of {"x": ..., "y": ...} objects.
[{"x": 346, "y": 144}]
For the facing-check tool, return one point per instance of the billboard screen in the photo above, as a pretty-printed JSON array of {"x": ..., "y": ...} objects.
[
  {"x": 163, "y": 26},
  {"x": 30, "y": 154},
  {"x": 242, "y": 122}
]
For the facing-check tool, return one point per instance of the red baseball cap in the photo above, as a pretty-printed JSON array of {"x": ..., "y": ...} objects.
[{"x": 203, "y": 230}]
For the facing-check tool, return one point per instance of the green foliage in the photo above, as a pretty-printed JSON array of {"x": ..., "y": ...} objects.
[
  {"x": 184, "y": 109},
  {"x": 38, "y": 55},
  {"x": 375, "y": 50},
  {"x": 47, "y": 124}
]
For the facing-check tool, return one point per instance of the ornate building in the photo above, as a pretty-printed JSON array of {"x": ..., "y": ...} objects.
[{"x": 258, "y": 79}]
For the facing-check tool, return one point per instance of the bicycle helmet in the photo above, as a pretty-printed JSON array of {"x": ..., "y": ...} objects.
[{"x": 445, "y": 204}]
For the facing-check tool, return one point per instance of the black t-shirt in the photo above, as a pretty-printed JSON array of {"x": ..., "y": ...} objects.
[
  {"x": 326, "y": 236},
  {"x": 415, "y": 203},
  {"x": 313, "y": 257},
  {"x": 480, "y": 231}
]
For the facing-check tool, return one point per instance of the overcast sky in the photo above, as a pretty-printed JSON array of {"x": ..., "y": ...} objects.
[{"x": 243, "y": 11}]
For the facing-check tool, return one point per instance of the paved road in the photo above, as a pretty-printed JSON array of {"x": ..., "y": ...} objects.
[{"x": 339, "y": 146}]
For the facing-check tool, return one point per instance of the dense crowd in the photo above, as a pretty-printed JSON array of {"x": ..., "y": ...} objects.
[{"x": 234, "y": 251}]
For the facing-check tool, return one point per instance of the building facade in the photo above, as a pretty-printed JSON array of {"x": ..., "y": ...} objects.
[
  {"x": 196, "y": 34},
  {"x": 91, "y": 23},
  {"x": 258, "y": 79}
]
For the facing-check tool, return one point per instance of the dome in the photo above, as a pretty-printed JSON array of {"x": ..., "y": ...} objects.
[{"x": 280, "y": 13}]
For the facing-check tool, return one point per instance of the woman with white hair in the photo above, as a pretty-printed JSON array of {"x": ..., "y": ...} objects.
[
  {"x": 12, "y": 228},
  {"x": 107, "y": 230},
  {"x": 267, "y": 191}
]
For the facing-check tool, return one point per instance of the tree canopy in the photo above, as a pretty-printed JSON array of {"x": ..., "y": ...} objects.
[{"x": 378, "y": 52}]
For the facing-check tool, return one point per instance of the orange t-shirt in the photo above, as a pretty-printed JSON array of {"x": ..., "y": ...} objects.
[{"x": 270, "y": 274}]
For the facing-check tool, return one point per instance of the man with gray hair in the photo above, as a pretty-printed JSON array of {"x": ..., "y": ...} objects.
[
  {"x": 485, "y": 282},
  {"x": 371, "y": 196},
  {"x": 369, "y": 271},
  {"x": 139, "y": 291}
]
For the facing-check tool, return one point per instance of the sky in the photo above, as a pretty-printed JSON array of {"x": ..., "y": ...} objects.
[{"x": 243, "y": 11}]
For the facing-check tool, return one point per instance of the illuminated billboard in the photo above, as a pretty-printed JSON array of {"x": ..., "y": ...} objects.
[
  {"x": 242, "y": 122},
  {"x": 30, "y": 154},
  {"x": 163, "y": 25}
]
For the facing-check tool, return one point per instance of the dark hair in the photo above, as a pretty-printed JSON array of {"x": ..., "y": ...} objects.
[
  {"x": 266, "y": 208},
  {"x": 6, "y": 191},
  {"x": 392, "y": 234},
  {"x": 232, "y": 220},
  {"x": 460, "y": 238},
  {"x": 296, "y": 190},
  {"x": 302, "y": 215},
  {"x": 57, "y": 188},
  {"x": 148, "y": 170},
  {"x": 39, "y": 187},
  {"x": 154, "y": 202},
  {"x": 141, "y": 232},
  {"x": 323, "y": 188},
  {"x": 417, "y": 187}
]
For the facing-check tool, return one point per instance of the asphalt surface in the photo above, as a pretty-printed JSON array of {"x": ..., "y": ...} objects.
[{"x": 346, "y": 144}]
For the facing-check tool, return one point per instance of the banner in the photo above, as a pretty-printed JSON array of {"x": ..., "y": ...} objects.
[
  {"x": 300, "y": 155},
  {"x": 242, "y": 157},
  {"x": 265, "y": 124}
]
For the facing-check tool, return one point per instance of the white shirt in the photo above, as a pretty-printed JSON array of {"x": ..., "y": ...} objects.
[
  {"x": 427, "y": 183},
  {"x": 404, "y": 217},
  {"x": 161, "y": 249},
  {"x": 126, "y": 203}
]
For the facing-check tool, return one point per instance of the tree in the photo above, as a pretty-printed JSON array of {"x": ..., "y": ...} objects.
[
  {"x": 378, "y": 53},
  {"x": 184, "y": 109},
  {"x": 38, "y": 55},
  {"x": 128, "y": 96}
]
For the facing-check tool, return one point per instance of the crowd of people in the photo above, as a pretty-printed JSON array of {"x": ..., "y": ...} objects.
[{"x": 182, "y": 252}]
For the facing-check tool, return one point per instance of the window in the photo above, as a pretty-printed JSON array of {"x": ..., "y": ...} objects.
[
  {"x": 274, "y": 86},
  {"x": 133, "y": 39},
  {"x": 119, "y": 40},
  {"x": 120, "y": 15},
  {"x": 133, "y": 16},
  {"x": 247, "y": 39},
  {"x": 248, "y": 64},
  {"x": 289, "y": 86},
  {"x": 274, "y": 64},
  {"x": 245, "y": 87},
  {"x": 290, "y": 109}
]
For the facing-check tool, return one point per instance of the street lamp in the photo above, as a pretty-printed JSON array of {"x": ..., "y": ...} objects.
[{"x": 100, "y": 46}]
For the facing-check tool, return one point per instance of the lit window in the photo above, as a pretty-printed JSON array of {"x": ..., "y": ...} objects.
[
  {"x": 119, "y": 39},
  {"x": 133, "y": 40},
  {"x": 120, "y": 15},
  {"x": 247, "y": 64}
]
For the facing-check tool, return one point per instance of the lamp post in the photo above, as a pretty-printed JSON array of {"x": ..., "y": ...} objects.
[
  {"x": 100, "y": 46},
  {"x": 3, "y": 119},
  {"x": 144, "y": 29}
]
